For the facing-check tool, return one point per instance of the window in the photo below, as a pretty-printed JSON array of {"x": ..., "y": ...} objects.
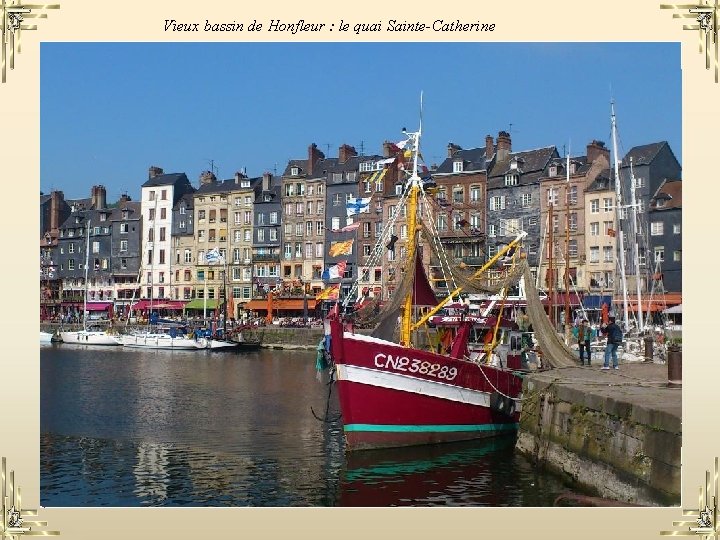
[
  {"x": 318, "y": 249},
  {"x": 442, "y": 222},
  {"x": 247, "y": 217},
  {"x": 294, "y": 171},
  {"x": 458, "y": 195},
  {"x": 320, "y": 207},
  {"x": 288, "y": 251},
  {"x": 308, "y": 228},
  {"x": 677, "y": 255},
  {"x": 237, "y": 218},
  {"x": 123, "y": 228},
  {"x": 299, "y": 207},
  {"x": 573, "y": 219},
  {"x": 497, "y": 202},
  {"x": 289, "y": 190},
  {"x": 187, "y": 257},
  {"x": 123, "y": 264},
  {"x": 96, "y": 247},
  {"x": 594, "y": 206},
  {"x": 511, "y": 179},
  {"x": 676, "y": 228},
  {"x": 594, "y": 254},
  {"x": 573, "y": 248},
  {"x": 298, "y": 250},
  {"x": 607, "y": 205},
  {"x": 162, "y": 256},
  {"x": 475, "y": 193},
  {"x": 335, "y": 223},
  {"x": 659, "y": 254},
  {"x": 657, "y": 228},
  {"x": 337, "y": 199},
  {"x": 71, "y": 264},
  {"x": 308, "y": 251},
  {"x": 273, "y": 218},
  {"x": 162, "y": 234},
  {"x": 458, "y": 166},
  {"x": 526, "y": 199},
  {"x": 261, "y": 235},
  {"x": 403, "y": 231},
  {"x": 608, "y": 254},
  {"x": 201, "y": 216},
  {"x": 247, "y": 235},
  {"x": 309, "y": 208},
  {"x": 123, "y": 245},
  {"x": 595, "y": 228},
  {"x": 298, "y": 229},
  {"x": 273, "y": 235},
  {"x": 398, "y": 189},
  {"x": 492, "y": 230},
  {"x": 163, "y": 213},
  {"x": 572, "y": 195},
  {"x": 552, "y": 196},
  {"x": 151, "y": 195},
  {"x": 163, "y": 194}
]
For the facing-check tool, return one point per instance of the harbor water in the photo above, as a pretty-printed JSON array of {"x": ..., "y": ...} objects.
[{"x": 127, "y": 427}]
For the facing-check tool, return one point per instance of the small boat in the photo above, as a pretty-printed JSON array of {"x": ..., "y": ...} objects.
[
  {"x": 46, "y": 337},
  {"x": 162, "y": 338}
]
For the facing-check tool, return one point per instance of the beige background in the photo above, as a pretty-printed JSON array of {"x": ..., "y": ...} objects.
[{"x": 522, "y": 20}]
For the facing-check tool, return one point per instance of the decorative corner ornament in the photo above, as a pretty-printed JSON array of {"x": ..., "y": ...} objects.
[
  {"x": 13, "y": 522},
  {"x": 706, "y": 16},
  {"x": 12, "y": 15},
  {"x": 705, "y": 523}
]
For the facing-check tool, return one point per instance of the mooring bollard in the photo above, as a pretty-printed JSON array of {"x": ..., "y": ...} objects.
[
  {"x": 674, "y": 363},
  {"x": 648, "y": 348}
]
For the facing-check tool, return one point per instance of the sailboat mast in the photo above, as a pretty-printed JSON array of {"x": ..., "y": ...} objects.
[
  {"x": 87, "y": 262},
  {"x": 406, "y": 321},
  {"x": 618, "y": 217},
  {"x": 636, "y": 254},
  {"x": 567, "y": 251}
]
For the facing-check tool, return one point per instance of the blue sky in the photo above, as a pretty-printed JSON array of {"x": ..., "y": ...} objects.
[{"x": 111, "y": 110}]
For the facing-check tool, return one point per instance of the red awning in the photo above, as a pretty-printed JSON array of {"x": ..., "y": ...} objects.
[
  {"x": 159, "y": 304},
  {"x": 98, "y": 306}
]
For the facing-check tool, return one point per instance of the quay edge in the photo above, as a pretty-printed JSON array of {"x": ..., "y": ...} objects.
[{"x": 616, "y": 433}]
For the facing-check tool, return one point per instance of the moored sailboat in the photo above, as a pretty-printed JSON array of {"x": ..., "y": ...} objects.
[{"x": 88, "y": 336}]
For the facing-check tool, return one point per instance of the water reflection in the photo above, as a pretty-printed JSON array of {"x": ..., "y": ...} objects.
[{"x": 191, "y": 428}]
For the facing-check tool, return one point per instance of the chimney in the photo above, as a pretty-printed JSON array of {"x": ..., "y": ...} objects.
[
  {"x": 239, "y": 176},
  {"x": 98, "y": 197},
  {"x": 124, "y": 198},
  {"x": 489, "y": 147},
  {"x": 596, "y": 149},
  {"x": 388, "y": 150},
  {"x": 207, "y": 177},
  {"x": 55, "y": 198},
  {"x": 453, "y": 149},
  {"x": 504, "y": 145},
  {"x": 314, "y": 155},
  {"x": 346, "y": 152},
  {"x": 154, "y": 171},
  {"x": 267, "y": 177}
]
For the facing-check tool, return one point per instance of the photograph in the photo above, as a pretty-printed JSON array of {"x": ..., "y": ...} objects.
[
  {"x": 471, "y": 296},
  {"x": 312, "y": 270}
]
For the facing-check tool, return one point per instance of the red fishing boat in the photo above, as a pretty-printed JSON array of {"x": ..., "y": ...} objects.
[{"x": 418, "y": 389}]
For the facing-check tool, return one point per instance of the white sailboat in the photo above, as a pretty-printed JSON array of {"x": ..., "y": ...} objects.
[{"x": 88, "y": 336}]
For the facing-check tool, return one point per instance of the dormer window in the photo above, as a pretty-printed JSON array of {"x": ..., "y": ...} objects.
[
  {"x": 572, "y": 167},
  {"x": 513, "y": 165},
  {"x": 458, "y": 166},
  {"x": 512, "y": 179},
  {"x": 553, "y": 170},
  {"x": 77, "y": 219},
  {"x": 245, "y": 184},
  {"x": 294, "y": 171},
  {"x": 103, "y": 217},
  {"x": 267, "y": 197},
  {"x": 125, "y": 214}
]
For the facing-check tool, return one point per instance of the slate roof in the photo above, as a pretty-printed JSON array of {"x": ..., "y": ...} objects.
[
  {"x": 166, "y": 180},
  {"x": 474, "y": 160},
  {"x": 225, "y": 186},
  {"x": 532, "y": 164},
  {"x": 603, "y": 182},
  {"x": 644, "y": 154},
  {"x": 187, "y": 198},
  {"x": 671, "y": 192}
]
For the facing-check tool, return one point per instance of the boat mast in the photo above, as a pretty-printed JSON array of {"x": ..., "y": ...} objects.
[
  {"x": 551, "y": 270},
  {"x": 87, "y": 262},
  {"x": 636, "y": 254},
  {"x": 567, "y": 250},
  {"x": 618, "y": 216},
  {"x": 414, "y": 186}
]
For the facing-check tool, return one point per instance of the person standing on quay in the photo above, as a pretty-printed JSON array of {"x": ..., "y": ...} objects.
[
  {"x": 584, "y": 335},
  {"x": 614, "y": 338}
]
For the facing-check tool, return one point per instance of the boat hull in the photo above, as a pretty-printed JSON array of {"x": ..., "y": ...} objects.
[
  {"x": 160, "y": 341},
  {"x": 45, "y": 337},
  {"x": 393, "y": 396},
  {"x": 89, "y": 337}
]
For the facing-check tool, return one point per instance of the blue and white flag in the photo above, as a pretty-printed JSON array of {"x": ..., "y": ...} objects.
[
  {"x": 213, "y": 257},
  {"x": 357, "y": 206}
]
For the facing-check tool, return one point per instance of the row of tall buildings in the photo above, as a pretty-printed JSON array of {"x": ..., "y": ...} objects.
[{"x": 283, "y": 232}]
